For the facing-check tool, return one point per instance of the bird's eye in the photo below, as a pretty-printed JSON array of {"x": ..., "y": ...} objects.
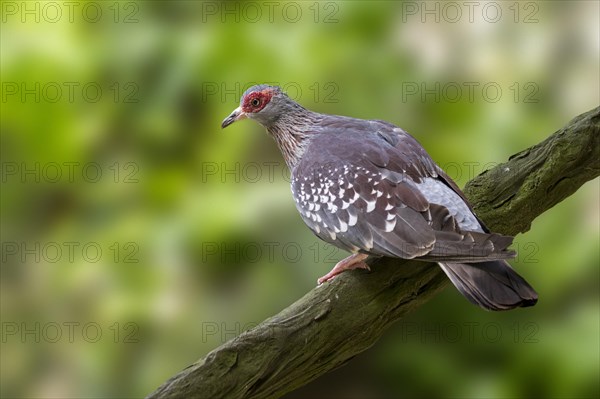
[{"x": 255, "y": 102}]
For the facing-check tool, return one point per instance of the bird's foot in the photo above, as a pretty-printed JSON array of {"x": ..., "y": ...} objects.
[{"x": 354, "y": 261}]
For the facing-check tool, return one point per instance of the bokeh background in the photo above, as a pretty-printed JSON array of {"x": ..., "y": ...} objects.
[{"x": 137, "y": 236}]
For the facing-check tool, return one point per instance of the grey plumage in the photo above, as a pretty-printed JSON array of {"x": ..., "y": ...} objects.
[{"x": 368, "y": 187}]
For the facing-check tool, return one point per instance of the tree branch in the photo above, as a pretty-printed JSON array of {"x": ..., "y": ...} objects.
[{"x": 334, "y": 322}]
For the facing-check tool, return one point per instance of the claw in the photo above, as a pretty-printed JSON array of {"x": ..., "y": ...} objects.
[{"x": 354, "y": 261}]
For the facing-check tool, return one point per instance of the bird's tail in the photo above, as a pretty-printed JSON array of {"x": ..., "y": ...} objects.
[{"x": 493, "y": 285}]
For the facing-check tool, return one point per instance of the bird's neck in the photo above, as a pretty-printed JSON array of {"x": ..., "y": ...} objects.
[{"x": 292, "y": 133}]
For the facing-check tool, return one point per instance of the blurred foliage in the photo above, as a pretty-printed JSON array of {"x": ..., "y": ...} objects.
[{"x": 198, "y": 236}]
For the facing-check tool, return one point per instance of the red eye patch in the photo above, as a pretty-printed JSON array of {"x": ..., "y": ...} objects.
[{"x": 256, "y": 100}]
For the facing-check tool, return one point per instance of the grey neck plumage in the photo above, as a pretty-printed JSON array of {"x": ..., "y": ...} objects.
[{"x": 292, "y": 132}]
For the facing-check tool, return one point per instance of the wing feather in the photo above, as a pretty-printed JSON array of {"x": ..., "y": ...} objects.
[{"x": 382, "y": 194}]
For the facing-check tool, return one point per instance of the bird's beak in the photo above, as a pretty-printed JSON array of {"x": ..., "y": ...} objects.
[{"x": 236, "y": 115}]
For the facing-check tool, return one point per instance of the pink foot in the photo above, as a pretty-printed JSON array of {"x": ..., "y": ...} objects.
[{"x": 354, "y": 261}]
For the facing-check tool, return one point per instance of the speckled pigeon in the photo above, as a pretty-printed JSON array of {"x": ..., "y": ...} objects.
[{"x": 368, "y": 187}]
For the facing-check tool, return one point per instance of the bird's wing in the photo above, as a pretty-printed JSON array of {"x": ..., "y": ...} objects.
[{"x": 380, "y": 193}]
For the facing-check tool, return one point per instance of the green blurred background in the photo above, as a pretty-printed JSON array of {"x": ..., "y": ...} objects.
[{"x": 137, "y": 236}]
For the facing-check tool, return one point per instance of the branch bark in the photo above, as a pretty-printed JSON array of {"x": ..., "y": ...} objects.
[{"x": 334, "y": 322}]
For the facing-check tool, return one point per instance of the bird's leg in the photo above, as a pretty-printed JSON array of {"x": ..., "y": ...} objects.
[{"x": 354, "y": 261}]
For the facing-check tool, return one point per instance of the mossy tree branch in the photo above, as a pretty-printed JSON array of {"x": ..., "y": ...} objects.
[{"x": 335, "y": 322}]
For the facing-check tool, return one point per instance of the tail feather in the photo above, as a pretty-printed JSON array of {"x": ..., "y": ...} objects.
[{"x": 493, "y": 285}]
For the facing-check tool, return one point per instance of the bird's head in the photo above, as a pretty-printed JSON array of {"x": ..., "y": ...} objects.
[{"x": 262, "y": 103}]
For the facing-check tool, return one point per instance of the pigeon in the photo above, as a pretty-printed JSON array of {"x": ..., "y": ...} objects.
[{"x": 370, "y": 188}]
